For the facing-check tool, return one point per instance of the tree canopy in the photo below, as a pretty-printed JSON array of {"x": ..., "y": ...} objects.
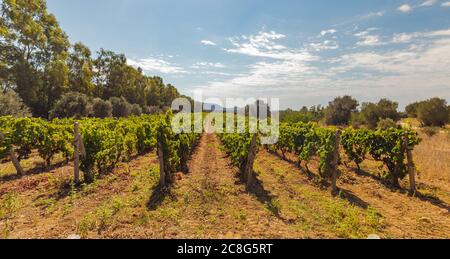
[
  {"x": 340, "y": 110},
  {"x": 39, "y": 63}
]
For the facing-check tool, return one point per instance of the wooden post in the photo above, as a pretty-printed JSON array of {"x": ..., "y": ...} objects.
[
  {"x": 76, "y": 154},
  {"x": 162, "y": 179},
  {"x": 335, "y": 162},
  {"x": 13, "y": 158},
  {"x": 250, "y": 161},
  {"x": 411, "y": 167}
]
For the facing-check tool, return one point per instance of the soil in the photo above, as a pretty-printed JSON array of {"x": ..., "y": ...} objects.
[{"x": 210, "y": 201}]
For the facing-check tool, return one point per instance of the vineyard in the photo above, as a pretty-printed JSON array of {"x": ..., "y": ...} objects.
[
  {"x": 102, "y": 143},
  {"x": 148, "y": 178},
  {"x": 307, "y": 141}
]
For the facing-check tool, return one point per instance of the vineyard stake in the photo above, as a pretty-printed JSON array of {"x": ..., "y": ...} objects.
[
  {"x": 162, "y": 179},
  {"x": 250, "y": 161},
  {"x": 13, "y": 158},
  {"x": 335, "y": 162},
  {"x": 411, "y": 167},
  {"x": 76, "y": 155}
]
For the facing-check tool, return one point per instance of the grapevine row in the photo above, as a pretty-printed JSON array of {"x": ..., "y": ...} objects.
[
  {"x": 389, "y": 146},
  {"x": 106, "y": 142},
  {"x": 174, "y": 149},
  {"x": 307, "y": 140}
]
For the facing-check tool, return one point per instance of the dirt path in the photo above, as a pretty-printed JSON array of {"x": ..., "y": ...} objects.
[{"x": 210, "y": 202}]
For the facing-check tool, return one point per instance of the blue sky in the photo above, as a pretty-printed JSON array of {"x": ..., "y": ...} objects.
[{"x": 303, "y": 52}]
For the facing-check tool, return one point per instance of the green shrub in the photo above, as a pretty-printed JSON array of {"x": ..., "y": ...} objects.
[
  {"x": 385, "y": 124},
  {"x": 430, "y": 131},
  {"x": 136, "y": 110},
  {"x": 101, "y": 108},
  {"x": 374, "y": 112},
  {"x": 433, "y": 112},
  {"x": 11, "y": 104},
  {"x": 71, "y": 105},
  {"x": 120, "y": 107}
]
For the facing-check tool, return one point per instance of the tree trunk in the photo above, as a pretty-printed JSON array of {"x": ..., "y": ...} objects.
[
  {"x": 16, "y": 163},
  {"x": 13, "y": 158},
  {"x": 394, "y": 180}
]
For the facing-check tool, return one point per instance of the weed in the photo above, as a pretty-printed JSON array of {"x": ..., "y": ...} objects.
[
  {"x": 143, "y": 218},
  {"x": 47, "y": 203},
  {"x": 240, "y": 215},
  {"x": 103, "y": 216},
  {"x": 8, "y": 207},
  {"x": 86, "y": 224}
]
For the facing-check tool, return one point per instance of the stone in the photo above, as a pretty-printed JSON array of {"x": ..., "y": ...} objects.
[
  {"x": 373, "y": 236},
  {"x": 74, "y": 236}
]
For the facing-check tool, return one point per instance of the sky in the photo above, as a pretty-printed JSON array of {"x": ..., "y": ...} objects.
[{"x": 301, "y": 51}]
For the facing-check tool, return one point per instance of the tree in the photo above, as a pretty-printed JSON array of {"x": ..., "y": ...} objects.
[
  {"x": 388, "y": 109},
  {"x": 357, "y": 120},
  {"x": 169, "y": 94},
  {"x": 107, "y": 72},
  {"x": 372, "y": 113},
  {"x": 81, "y": 71},
  {"x": 101, "y": 108},
  {"x": 121, "y": 108},
  {"x": 35, "y": 61},
  {"x": 70, "y": 105},
  {"x": 340, "y": 110},
  {"x": 153, "y": 91},
  {"x": 314, "y": 113},
  {"x": 34, "y": 51},
  {"x": 411, "y": 109},
  {"x": 12, "y": 104},
  {"x": 433, "y": 112}
]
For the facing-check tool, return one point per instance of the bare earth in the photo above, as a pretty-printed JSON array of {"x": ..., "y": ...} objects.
[{"x": 211, "y": 202}]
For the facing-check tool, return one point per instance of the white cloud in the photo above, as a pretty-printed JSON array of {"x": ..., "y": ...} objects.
[
  {"x": 366, "y": 39},
  {"x": 264, "y": 45},
  {"x": 402, "y": 38},
  {"x": 208, "y": 43},
  {"x": 325, "y": 32},
  {"x": 406, "y": 8},
  {"x": 153, "y": 65},
  {"x": 208, "y": 64},
  {"x": 416, "y": 71},
  {"x": 373, "y": 14},
  {"x": 429, "y": 63},
  {"x": 446, "y": 4},
  {"x": 325, "y": 45},
  {"x": 369, "y": 40},
  {"x": 429, "y": 3},
  {"x": 408, "y": 37}
]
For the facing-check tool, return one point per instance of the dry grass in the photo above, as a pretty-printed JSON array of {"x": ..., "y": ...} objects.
[{"x": 432, "y": 158}]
